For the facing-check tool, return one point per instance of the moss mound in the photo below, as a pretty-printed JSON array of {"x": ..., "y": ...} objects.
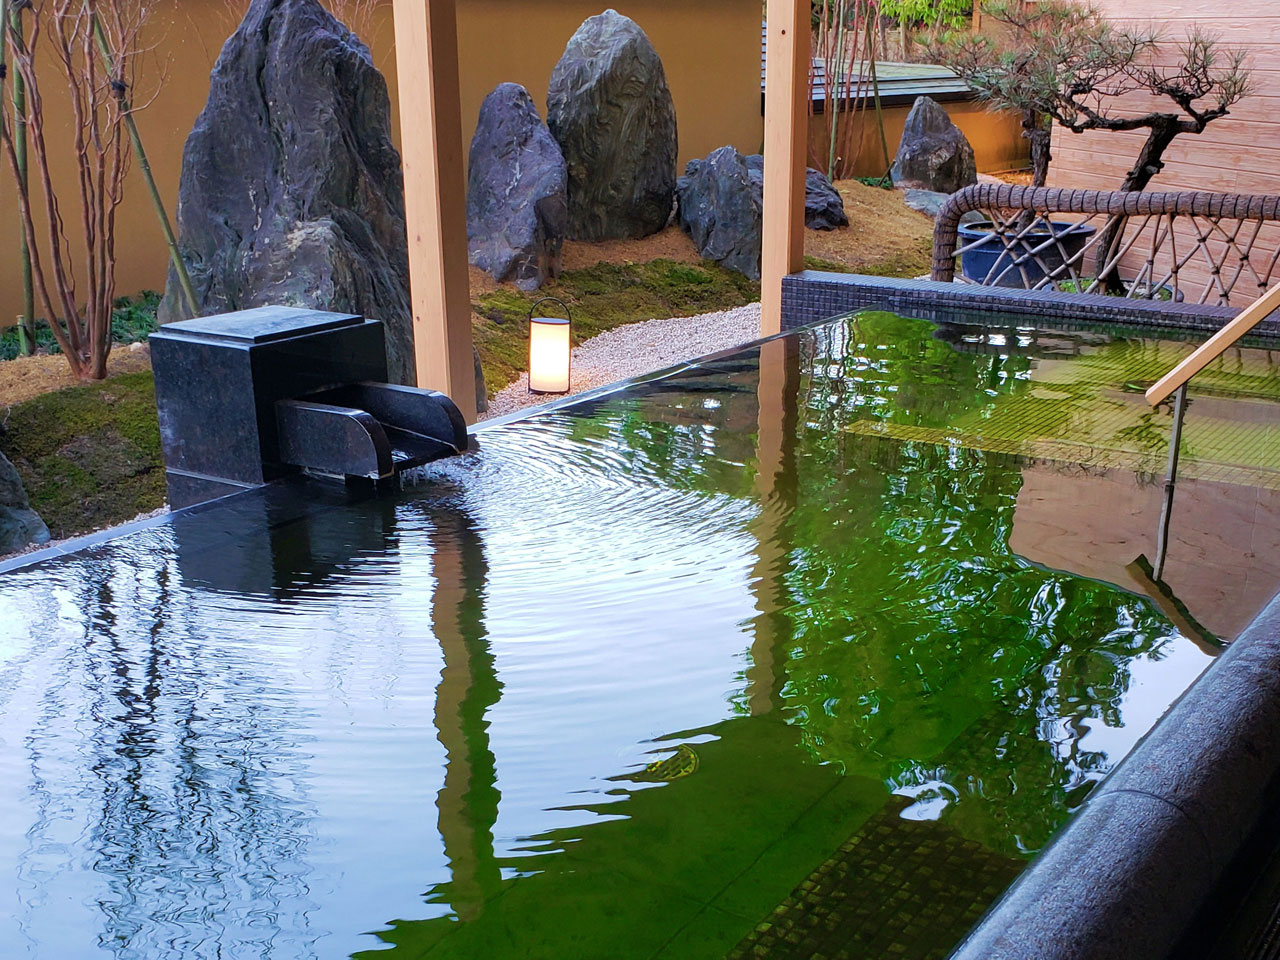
[
  {"x": 600, "y": 298},
  {"x": 913, "y": 262},
  {"x": 89, "y": 456}
]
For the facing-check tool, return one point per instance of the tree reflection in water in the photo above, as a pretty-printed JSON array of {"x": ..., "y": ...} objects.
[
  {"x": 182, "y": 780},
  {"x": 898, "y": 646}
]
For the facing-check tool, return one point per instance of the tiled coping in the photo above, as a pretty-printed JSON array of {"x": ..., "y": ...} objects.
[{"x": 813, "y": 295}]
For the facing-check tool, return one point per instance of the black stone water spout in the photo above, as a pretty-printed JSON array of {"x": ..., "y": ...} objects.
[{"x": 247, "y": 398}]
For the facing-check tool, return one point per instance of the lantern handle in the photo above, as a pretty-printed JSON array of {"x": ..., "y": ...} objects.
[{"x": 537, "y": 303}]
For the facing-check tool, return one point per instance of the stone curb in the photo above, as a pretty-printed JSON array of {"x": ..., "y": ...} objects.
[{"x": 1126, "y": 876}]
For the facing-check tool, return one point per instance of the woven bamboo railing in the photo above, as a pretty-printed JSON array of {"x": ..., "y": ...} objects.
[{"x": 1193, "y": 246}]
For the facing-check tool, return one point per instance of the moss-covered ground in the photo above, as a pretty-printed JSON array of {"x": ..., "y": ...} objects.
[
  {"x": 89, "y": 456},
  {"x": 600, "y": 298},
  {"x": 912, "y": 262}
]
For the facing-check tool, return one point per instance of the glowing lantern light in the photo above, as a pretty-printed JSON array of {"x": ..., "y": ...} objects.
[{"x": 549, "y": 350}]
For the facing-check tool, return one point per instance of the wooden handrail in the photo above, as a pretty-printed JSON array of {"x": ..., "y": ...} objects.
[{"x": 1215, "y": 346}]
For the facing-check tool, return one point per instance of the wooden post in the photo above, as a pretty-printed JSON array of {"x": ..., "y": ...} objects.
[
  {"x": 426, "y": 35},
  {"x": 467, "y": 804},
  {"x": 777, "y": 420},
  {"x": 786, "y": 128}
]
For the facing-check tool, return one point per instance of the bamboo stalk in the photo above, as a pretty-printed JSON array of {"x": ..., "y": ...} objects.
[
  {"x": 135, "y": 138},
  {"x": 875, "y": 90},
  {"x": 11, "y": 19},
  {"x": 836, "y": 61}
]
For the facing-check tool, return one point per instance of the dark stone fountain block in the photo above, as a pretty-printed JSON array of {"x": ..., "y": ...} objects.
[{"x": 218, "y": 380}]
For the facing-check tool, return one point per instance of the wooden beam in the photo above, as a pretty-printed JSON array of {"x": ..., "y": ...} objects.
[
  {"x": 777, "y": 420},
  {"x": 1215, "y": 346},
  {"x": 426, "y": 36},
  {"x": 786, "y": 128}
]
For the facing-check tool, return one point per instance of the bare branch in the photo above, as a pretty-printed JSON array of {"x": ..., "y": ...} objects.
[{"x": 94, "y": 46}]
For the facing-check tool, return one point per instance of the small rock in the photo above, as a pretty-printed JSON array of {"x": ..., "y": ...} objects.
[
  {"x": 517, "y": 204},
  {"x": 934, "y": 154},
  {"x": 20, "y": 526},
  {"x": 721, "y": 203},
  {"x": 721, "y": 208},
  {"x": 823, "y": 205},
  {"x": 929, "y": 202},
  {"x": 611, "y": 111}
]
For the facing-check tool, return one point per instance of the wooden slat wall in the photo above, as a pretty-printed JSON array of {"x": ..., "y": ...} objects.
[{"x": 1238, "y": 154}]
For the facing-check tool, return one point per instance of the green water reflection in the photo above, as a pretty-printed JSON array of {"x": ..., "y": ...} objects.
[
  {"x": 804, "y": 651},
  {"x": 915, "y": 704}
]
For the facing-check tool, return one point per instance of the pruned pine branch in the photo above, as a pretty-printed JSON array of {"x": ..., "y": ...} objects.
[{"x": 1066, "y": 62}]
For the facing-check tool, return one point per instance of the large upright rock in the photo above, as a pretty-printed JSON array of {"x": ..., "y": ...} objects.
[
  {"x": 823, "y": 205},
  {"x": 517, "y": 205},
  {"x": 611, "y": 111},
  {"x": 291, "y": 189},
  {"x": 20, "y": 526},
  {"x": 721, "y": 207},
  {"x": 934, "y": 154}
]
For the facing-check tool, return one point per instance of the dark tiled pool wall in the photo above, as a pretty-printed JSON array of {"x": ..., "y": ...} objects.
[{"x": 813, "y": 295}]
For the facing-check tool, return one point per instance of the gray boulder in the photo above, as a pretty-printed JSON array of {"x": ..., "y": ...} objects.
[
  {"x": 611, "y": 111},
  {"x": 934, "y": 154},
  {"x": 721, "y": 208},
  {"x": 722, "y": 202},
  {"x": 20, "y": 526},
  {"x": 291, "y": 189},
  {"x": 929, "y": 202},
  {"x": 517, "y": 205},
  {"x": 823, "y": 205}
]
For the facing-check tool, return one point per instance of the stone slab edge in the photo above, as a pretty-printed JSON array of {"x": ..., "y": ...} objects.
[
  {"x": 92, "y": 540},
  {"x": 1125, "y": 877}
]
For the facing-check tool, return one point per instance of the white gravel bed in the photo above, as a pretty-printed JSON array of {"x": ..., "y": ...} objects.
[{"x": 637, "y": 349}]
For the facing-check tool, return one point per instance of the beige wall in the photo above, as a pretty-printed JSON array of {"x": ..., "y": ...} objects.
[
  {"x": 996, "y": 137},
  {"x": 711, "y": 51},
  {"x": 1239, "y": 153}
]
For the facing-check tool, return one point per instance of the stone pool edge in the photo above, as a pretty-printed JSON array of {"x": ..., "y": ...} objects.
[
  {"x": 1127, "y": 875},
  {"x": 89, "y": 541}
]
